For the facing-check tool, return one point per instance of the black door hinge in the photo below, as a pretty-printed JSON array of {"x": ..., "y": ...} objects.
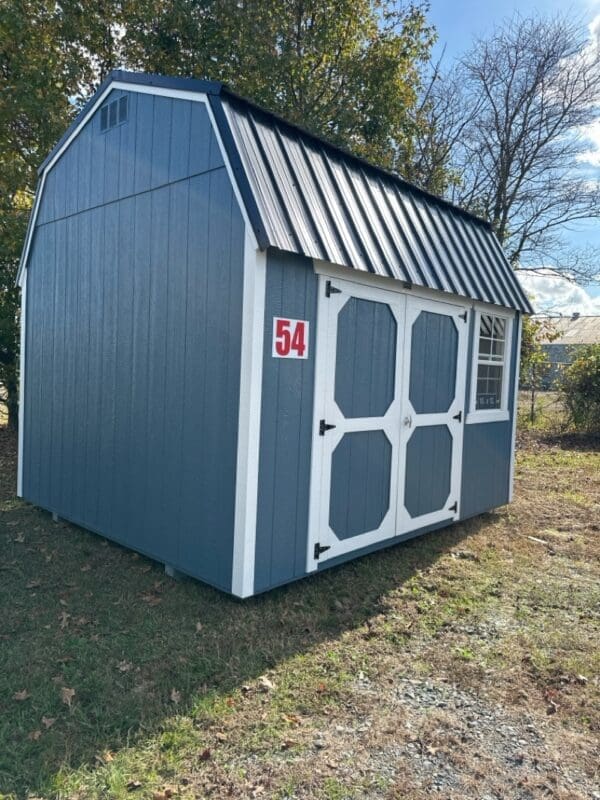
[
  {"x": 320, "y": 548},
  {"x": 454, "y": 507},
  {"x": 463, "y": 316},
  {"x": 458, "y": 416},
  {"x": 323, "y": 427},
  {"x": 330, "y": 289}
]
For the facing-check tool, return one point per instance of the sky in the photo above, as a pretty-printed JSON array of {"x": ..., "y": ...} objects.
[{"x": 459, "y": 21}]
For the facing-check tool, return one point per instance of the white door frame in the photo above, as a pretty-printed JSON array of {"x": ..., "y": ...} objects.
[
  {"x": 405, "y": 306},
  {"x": 414, "y": 306},
  {"x": 325, "y": 407}
]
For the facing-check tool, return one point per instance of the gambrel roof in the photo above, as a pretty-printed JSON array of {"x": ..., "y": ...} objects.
[{"x": 304, "y": 195}]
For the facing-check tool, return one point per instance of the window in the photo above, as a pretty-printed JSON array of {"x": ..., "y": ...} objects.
[{"x": 490, "y": 376}]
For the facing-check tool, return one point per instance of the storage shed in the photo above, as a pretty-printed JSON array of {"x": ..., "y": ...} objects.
[{"x": 249, "y": 354}]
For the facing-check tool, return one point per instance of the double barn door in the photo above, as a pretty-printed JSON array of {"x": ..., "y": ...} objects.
[{"x": 389, "y": 414}]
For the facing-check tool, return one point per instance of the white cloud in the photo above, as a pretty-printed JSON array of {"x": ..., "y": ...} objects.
[
  {"x": 591, "y": 133},
  {"x": 550, "y": 293}
]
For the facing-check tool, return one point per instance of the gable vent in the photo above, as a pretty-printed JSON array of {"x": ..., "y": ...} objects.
[{"x": 114, "y": 113}]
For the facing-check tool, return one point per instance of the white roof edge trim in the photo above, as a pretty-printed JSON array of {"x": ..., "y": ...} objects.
[{"x": 179, "y": 94}]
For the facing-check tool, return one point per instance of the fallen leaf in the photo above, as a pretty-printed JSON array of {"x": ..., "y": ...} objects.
[
  {"x": 133, "y": 785},
  {"x": 175, "y": 696},
  {"x": 33, "y": 584},
  {"x": 67, "y": 695},
  {"x": 159, "y": 796},
  {"x": 48, "y": 722},
  {"x": 34, "y": 735},
  {"x": 20, "y": 537},
  {"x": 199, "y": 627},
  {"x": 124, "y": 666},
  {"x": 151, "y": 599},
  {"x": 86, "y": 567},
  {"x": 105, "y": 758},
  {"x": 581, "y": 679},
  {"x": 64, "y": 619},
  {"x": 205, "y": 755},
  {"x": 63, "y": 602},
  {"x": 265, "y": 683},
  {"x": 222, "y": 737},
  {"x": 22, "y": 695}
]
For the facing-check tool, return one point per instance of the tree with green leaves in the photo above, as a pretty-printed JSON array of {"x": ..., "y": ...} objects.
[{"x": 39, "y": 71}]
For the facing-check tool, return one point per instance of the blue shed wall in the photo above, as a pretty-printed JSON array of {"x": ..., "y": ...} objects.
[
  {"x": 286, "y": 436},
  {"x": 487, "y": 447},
  {"x": 286, "y": 427},
  {"x": 133, "y": 339}
]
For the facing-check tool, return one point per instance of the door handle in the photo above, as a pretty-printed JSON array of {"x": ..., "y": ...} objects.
[{"x": 407, "y": 421}]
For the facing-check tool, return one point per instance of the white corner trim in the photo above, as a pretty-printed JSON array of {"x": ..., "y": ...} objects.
[
  {"x": 246, "y": 484},
  {"x": 22, "y": 384},
  {"x": 516, "y": 370},
  {"x": 178, "y": 94},
  {"x": 502, "y": 414}
]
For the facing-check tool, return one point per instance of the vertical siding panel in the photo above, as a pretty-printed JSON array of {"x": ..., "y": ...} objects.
[
  {"x": 200, "y": 135},
  {"x": 156, "y": 518},
  {"x": 140, "y": 385},
  {"x": 61, "y": 188},
  {"x": 125, "y": 467},
  {"x": 71, "y": 178},
  {"x": 85, "y": 374},
  {"x": 97, "y": 161},
  {"x": 180, "y": 141},
  {"x": 112, "y": 145},
  {"x": 144, "y": 134},
  {"x": 127, "y": 148},
  {"x": 35, "y": 290},
  {"x": 58, "y": 375},
  {"x": 194, "y": 411},
  {"x": 84, "y": 169},
  {"x": 95, "y": 384},
  {"x": 161, "y": 141},
  {"x": 109, "y": 368},
  {"x": 287, "y": 404},
  {"x": 176, "y": 355}
]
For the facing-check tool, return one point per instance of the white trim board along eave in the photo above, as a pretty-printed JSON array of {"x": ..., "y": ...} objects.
[{"x": 179, "y": 94}]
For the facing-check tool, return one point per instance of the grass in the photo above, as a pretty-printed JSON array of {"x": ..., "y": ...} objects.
[{"x": 117, "y": 682}]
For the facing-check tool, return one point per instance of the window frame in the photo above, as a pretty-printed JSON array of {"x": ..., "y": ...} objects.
[{"x": 501, "y": 414}]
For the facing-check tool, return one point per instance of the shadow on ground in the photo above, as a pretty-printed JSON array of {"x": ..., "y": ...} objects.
[{"x": 81, "y": 614}]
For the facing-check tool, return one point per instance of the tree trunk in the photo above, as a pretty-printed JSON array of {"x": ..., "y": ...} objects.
[{"x": 12, "y": 403}]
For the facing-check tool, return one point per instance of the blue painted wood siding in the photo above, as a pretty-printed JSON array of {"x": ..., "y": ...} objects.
[
  {"x": 134, "y": 304},
  {"x": 286, "y": 428},
  {"x": 487, "y": 447}
]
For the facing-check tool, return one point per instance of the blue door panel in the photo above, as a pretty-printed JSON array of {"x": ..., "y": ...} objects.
[
  {"x": 360, "y": 483},
  {"x": 433, "y": 363},
  {"x": 428, "y": 470},
  {"x": 365, "y": 358}
]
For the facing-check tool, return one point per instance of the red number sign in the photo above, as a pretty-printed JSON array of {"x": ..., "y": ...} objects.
[{"x": 290, "y": 338}]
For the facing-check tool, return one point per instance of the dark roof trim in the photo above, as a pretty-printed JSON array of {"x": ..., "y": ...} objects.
[{"x": 239, "y": 172}]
